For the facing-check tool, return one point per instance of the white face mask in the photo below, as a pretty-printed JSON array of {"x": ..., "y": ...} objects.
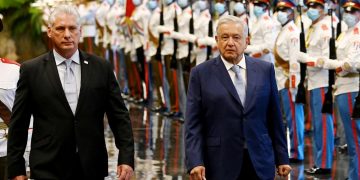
[
  {"x": 282, "y": 17},
  {"x": 136, "y": 2},
  {"x": 239, "y": 8},
  {"x": 183, "y": 3},
  {"x": 258, "y": 11},
  {"x": 350, "y": 20}
]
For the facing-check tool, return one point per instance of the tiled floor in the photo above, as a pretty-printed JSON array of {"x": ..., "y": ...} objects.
[{"x": 160, "y": 150}]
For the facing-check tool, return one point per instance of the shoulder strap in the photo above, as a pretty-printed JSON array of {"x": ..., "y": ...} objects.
[{"x": 5, "y": 113}]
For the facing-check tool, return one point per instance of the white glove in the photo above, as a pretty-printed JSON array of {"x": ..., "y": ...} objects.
[
  {"x": 347, "y": 67},
  {"x": 201, "y": 41},
  {"x": 190, "y": 38},
  {"x": 301, "y": 57},
  {"x": 320, "y": 62},
  {"x": 210, "y": 41},
  {"x": 163, "y": 29},
  {"x": 357, "y": 66}
]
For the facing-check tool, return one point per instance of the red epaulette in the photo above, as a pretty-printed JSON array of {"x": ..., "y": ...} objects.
[
  {"x": 291, "y": 29},
  {"x": 266, "y": 17},
  {"x": 8, "y": 61},
  {"x": 324, "y": 27},
  {"x": 356, "y": 30}
]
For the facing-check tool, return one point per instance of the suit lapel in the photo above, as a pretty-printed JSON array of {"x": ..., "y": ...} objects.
[
  {"x": 251, "y": 81},
  {"x": 85, "y": 65},
  {"x": 224, "y": 77},
  {"x": 53, "y": 75}
]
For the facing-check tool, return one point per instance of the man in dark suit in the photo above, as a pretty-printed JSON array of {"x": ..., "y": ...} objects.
[
  {"x": 233, "y": 126},
  {"x": 68, "y": 92}
]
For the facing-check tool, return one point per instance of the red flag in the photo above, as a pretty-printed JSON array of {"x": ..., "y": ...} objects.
[{"x": 130, "y": 7}]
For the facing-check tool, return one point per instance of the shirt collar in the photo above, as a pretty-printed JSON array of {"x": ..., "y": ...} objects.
[
  {"x": 228, "y": 65},
  {"x": 59, "y": 59}
]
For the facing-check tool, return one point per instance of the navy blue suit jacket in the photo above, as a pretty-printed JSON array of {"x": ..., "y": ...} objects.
[{"x": 216, "y": 124}]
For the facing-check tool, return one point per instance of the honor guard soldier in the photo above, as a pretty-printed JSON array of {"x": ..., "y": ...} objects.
[
  {"x": 201, "y": 26},
  {"x": 262, "y": 33},
  {"x": 347, "y": 81},
  {"x": 9, "y": 75},
  {"x": 158, "y": 101},
  {"x": 287, "y": 71},
  {"x": 317, "y": 45},
  {"x": 171, "y": 9}
]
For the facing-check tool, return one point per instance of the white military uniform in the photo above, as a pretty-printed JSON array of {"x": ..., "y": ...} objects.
[
  {"x": 139, "y": 19},
  {"x": 113, "y": 19},
  {"x": 88, "y": 22},
  {"x": 201, "y": 26},
  {"x": 347, "y": 51},
  {"x": 287, "y": 71},
  {"x": 287, "y": 46},
  {"x": 317, "y": 45},
  {"x": 8, "y": 80},
  {"x": 153, "y": 38},
  {"x": 169, "y": 15},
  {"x": 262, "y": 38},
  {"x": 102, "y": 33}
]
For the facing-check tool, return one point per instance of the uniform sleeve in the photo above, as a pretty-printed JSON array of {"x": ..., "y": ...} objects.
[
  {"x": 119, "y": 121},
  {"x": 193, "y": 125},
  {"x": 269, "y": 36},
  {"x": 275, "y": 126},
  {"x": 19, "y": 125}
]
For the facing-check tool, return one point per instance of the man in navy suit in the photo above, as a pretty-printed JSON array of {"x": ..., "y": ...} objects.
[{"x": 233, "y": 125}]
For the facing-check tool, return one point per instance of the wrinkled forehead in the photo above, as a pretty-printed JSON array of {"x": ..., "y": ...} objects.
[{"x": 230, "y": 28}]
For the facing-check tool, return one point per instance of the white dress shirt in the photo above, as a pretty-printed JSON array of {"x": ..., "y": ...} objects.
[
  {"x": 61, "y": 67},
  {"x": 242, "y": 65}
]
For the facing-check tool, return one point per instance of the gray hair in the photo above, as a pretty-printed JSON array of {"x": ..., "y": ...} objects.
[
  {"x": 64, "y": 9},
  {"x": 232, "y": 19}
]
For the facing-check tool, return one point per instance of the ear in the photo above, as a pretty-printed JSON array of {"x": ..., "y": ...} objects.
[
  {"x": 49, "y": 32},
  {"x": 216, "y": 39}
]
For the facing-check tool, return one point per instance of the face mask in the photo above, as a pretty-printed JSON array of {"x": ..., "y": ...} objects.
[
  {"x": 239, "y": 8},
  {"x": 258, "y": 11},
  {"x": 110, "y": 2},
  {"x": 350, "y": 20},
  {"x": 220, "y": 8},
  {"x": 169, "y": 2},
  {"x": 313, "y": 14},
  {"x": 121, "y": 2},
  {"x": 182, "y": 3},
  {"x": 136, "y": 2},
  {"x": 151, "y": 5},
  {"x": 202, "y": 5},
  {"x": 282, "y": 17}
]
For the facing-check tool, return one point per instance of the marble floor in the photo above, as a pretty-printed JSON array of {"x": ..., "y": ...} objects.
[{"x": 159, "y": 150}]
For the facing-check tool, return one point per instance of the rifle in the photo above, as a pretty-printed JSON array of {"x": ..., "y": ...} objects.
[
  {"x": 191, "y": 45},
  {"x": 161, "y": 35},
  {"x": 173, "y": 63},
  {"x": 301, "y": 93},
  {"x": 328, "y": 101},
  {"x": 210, "y": 31},
  {"x": 246, "y": 3},
  {"x": 228, "y": 6}
]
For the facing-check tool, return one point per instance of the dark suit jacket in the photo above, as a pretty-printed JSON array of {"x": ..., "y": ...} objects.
[
  {"x": 216, "y": 123},
  {"x": 56, "y": 131}
]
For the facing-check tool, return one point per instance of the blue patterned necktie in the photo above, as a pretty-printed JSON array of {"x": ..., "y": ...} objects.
[
  {"x": 70, "y": 86},
  {"x": 239, "y": 83}
]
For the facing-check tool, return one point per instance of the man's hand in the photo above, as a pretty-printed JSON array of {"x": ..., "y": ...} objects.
[
  {"x": 22, "y": 177},
  {"x": 283, "y": 170},
  {"x": 198, "y": 173},
  {"x": 124, "y": 172}
]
